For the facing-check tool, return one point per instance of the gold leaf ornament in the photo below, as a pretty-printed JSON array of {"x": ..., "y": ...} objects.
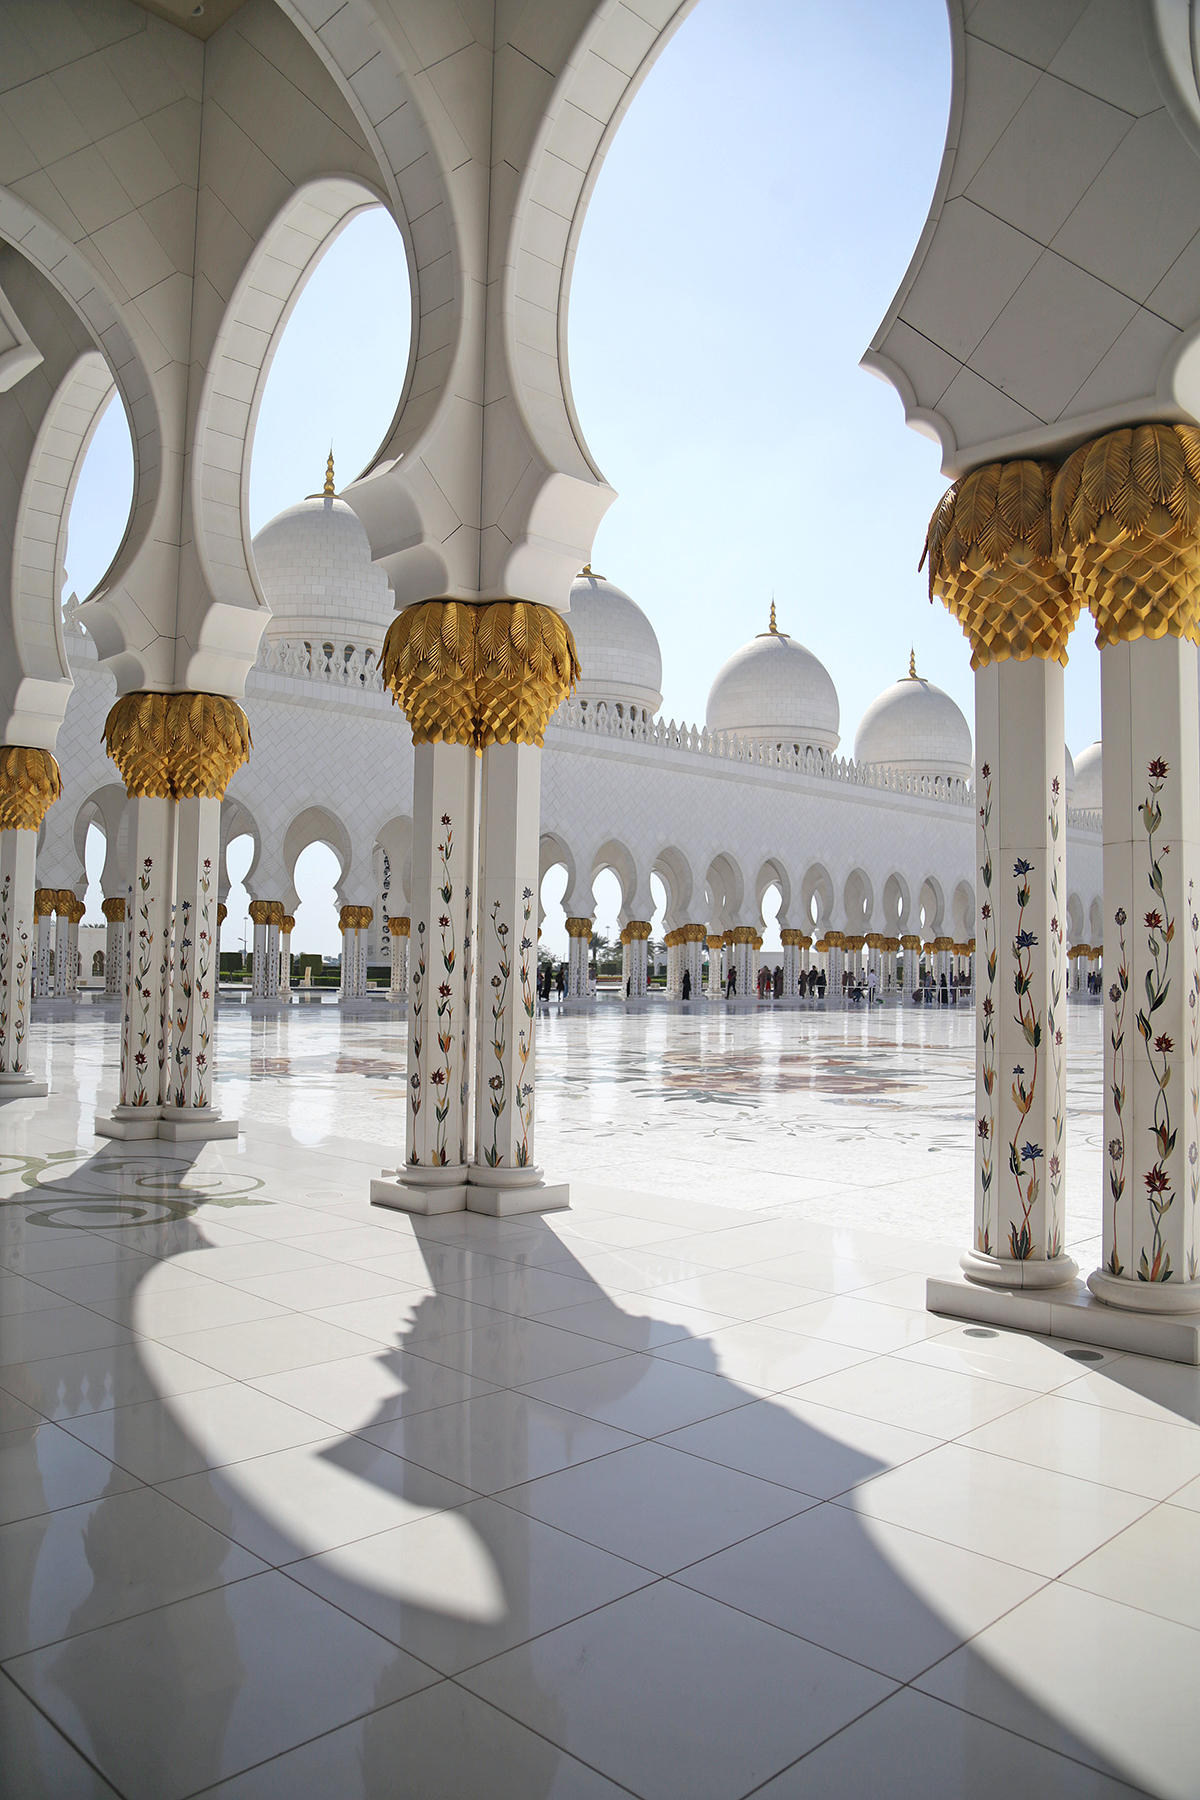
[
  {"x": 1126, "y": 520},
  {"x": 29, "y": 785},
  {"x": 990, "y": 551},
  {"x": 479, "y": 674},
  {"x": 177, "y": 746}
]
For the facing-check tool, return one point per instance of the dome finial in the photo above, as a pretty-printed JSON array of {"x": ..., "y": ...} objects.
[
  {"x": 774, "y": 626},
  {"x": 912, "y": 665},
  {"x": 328, "y": 492}
]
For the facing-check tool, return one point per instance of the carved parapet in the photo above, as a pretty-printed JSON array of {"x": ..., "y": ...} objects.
[
  {"x": 29, "y": 785},
  {"x": 479, "y": 675},
  {"x": 113, "y": 910},
  {"x": 177, "y": 746},
  {"x": 1125, "y": 514},
  {"x": 991, "y": 561},
  {"x": 579, "y": 928},
  {"x": 399, "y": 926}
]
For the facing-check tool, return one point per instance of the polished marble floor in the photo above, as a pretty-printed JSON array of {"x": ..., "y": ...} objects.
[{"x": 681, "y": 1494}]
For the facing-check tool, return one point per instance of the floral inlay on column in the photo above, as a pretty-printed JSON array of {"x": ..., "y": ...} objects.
[
  {"x": 1024, "y": 1158},
  {"x": 524, "y": 1088},
  {"x": 1118, "y": 995},
  {"x": 500, "y": 985},
  {"x": 1160, "y": 932},
  {"x": 1053, "y": 1028},
  {"x": 986, "y": 1124}
]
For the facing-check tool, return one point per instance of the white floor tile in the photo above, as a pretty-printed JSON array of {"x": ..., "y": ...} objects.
[
  {"x": 1168, "y": 1392},
  {"x": 409, "y": 1315},
  {"x": 934, "y": 1401},
  {"x": 358, "y": 1391},
  {"x": 63, "y": 1387},
  {"x": 457, "y": 1587},
  {"x": 1029, "y": 1517},
  {"x": 1082, "y": 1674},
  {"x": 643, "y": 1394},
  {"x": 987, "y": 1354},
  {"x": 298, "y": 1502},
  {"x": 916, "y": 1748},
  {"x": 761, "y": 1355},
  {"x": 1140, "y": 1456},
  {"x": 671, "y": 1694},
  {"x": 84, "y": 1566},
  {"x": 655, "y": 1506},
  {"x": 512, "y": 1352},
  {"x": 811, "y": 1448},
  {"x": 630, "y": 1326},
  {"x": 332, "y": 1284},
  {"x": 157, "y": 1440},
  {"x": 892, "y": 1599},
  {"x": 437, "y": 1743},
  {"x": 860, "y": 1325},
  {"x": 43, "y": 1468},
  {"x": 264, "y": 1664},
  {"x": 496, "y": 1440},
  {"x": 737, "y": 1294},
  {"x": 1153, "y": 1564},
  {"x": 528, "y": 1292},
  {"x": 263, "y": 1346},
  {"x": 19, "y": 1294},
  {"x": 38, "y": 1761},
  {"x": 28, "y": 1336}
]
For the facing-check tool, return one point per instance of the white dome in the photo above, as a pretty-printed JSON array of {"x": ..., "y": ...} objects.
[
  {"x": 1089, "y": 793},
  {"x": 314, "y": 565},
  {"x": 619, "y": 657},
  {"x": 774, "y": 691},
  {"x": 1071, "y": 800},
  {"x": 916, "y": 727}
]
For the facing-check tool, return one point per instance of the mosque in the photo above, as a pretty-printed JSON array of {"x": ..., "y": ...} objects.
[
  {"x": 476, "y": 1398},
  {"x": 871, "y": 855}
]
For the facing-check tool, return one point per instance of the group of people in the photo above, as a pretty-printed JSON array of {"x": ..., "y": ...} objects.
[
  {"x": 552, "y": 980},
  {"x": 944, "y": 992}
]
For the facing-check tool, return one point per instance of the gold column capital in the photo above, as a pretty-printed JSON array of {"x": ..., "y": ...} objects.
[
  {"x": 261, "y": 911},
  {"x": 694, "y": 933},
  {"x": 636, "y": 929},
  {"x": 400, "y": 925},
  {"x": 715, "y": 942},
  {"x": 222, "y": 913},
  {"x": 991, "y": 562},
  {"x": 579, "y": 927},
  {"x": 479, "y": 674},
  {"x": 287, "y": 924},
  {"x": 113, "y": 910},
  {"x": 1125, "y": 514},
  {"x": 742, "y": 934},
  {"x": 29, "y": 785},
  {"x": 177, "y": 746}
]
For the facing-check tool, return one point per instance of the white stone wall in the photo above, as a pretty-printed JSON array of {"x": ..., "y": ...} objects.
[{"x": 635, "y": 801}]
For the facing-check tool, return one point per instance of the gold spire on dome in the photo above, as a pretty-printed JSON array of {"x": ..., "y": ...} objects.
[
  {"x": 912, "y": 666},
  {"x": 589, "y": 573},
  {"x": 774, "y": 626},
  {"x": 328, "y": 492}
]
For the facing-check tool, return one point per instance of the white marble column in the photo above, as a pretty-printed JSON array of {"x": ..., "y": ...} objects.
[
  {"x": 18, "y": 854},
  {"x": 285, "y": 953},
  {"x": 434, "y": 1175},
  {"x": 579, "y": 930},
  {"x": 635, "y": 938},
  {"x": 503, "y": 1177},
  {"x": 690, "y": 954},
  {"x": 1020, "y": 1139},
  {"x": 64, "y": 985},
  {"x": 114, "y": 946},
  {"x": 715, "y": 986},
  {"x": 43, "y": 978},
  {"x": 188, "y": 1109},
  {"x": 149, "y": 900},
  {"x": 398, "y": 930},
  {"x": 264, "y": 973},
  {"x": 791, "y": 963},
  {"x": 1150, "y": 730}
]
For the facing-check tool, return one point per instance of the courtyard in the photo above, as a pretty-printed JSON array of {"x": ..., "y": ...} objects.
[{"x": 681, "y": 1493}]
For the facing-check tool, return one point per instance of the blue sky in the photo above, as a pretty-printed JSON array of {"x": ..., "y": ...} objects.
[{"x": 753, "y": 219}]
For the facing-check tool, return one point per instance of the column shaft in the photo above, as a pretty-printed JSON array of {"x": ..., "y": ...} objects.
[
  {"x": 18, "y": 854},
  {"x": 148, "y": 904},
  {"x": 1020, "y": 1146},
  {"x": 188, "y": 1089}
]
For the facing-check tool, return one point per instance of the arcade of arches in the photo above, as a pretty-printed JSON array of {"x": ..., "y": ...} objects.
[{"x": 168, "y": 177}]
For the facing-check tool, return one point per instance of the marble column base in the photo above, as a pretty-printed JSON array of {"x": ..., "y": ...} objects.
[
  {"x": 1071, "y": 1313},
  {"x": 128, "y": 1122},
  {"x": 1003, "y": 1271},
  {"x": 422, "y": 1190},
  {"x": 1156, "y": 1298},
  {"x": 21, "y": 1087},
  {"x": 502, "y": 1192},
  {"x": 194, "y": 1124}
]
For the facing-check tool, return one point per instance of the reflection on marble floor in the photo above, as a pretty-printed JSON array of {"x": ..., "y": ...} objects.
[{"x": 681, "y": 1494}]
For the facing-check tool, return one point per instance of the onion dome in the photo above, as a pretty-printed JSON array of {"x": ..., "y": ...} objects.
[
  {"x": 774, "y": 691},
  {"x": 915, "y": 727},
  {"x": 315, "y": 569},
  {"x": 619, "y": 656},
  {"x": 1089, "y": 792}
]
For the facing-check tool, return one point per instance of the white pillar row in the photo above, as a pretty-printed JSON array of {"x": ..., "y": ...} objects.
[
  {"x": 433, "y": 1177},
  {"x": 398, "y": 930},
  {"x": 579, "y": 933},
  {"x": 790, "y": 940},
  {"x": 634, "y": 961},
  {"x": 743, "y": 958},
  {"x": 43, "y": 977},
  {"x": 176, "y": 753},
  {"x": 354, "y": 923},
  {"x": 29, "y": 785},
  {"x": 114, "y": 945},
  {"x": 715, "y": 988},
  {"x": 287, "y": 926},
  {"x": 504, "y": 1177},
  {"x": 835, "y": 963},
  {"x": 264, "y": 978}
]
